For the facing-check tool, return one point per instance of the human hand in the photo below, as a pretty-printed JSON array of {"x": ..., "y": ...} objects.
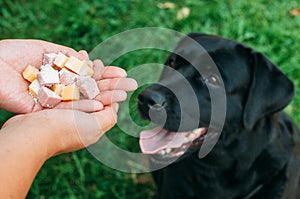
[
  {"x": 15, "y": 55},
  {"x": 34, "y": 137},
  {"x": 28, "y": 140},
  {"x": 56, "y": 131},
  {"x": 113, "y": 85}
]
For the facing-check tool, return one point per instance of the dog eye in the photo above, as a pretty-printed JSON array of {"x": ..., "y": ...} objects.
[
  {"x": 172, "y": 64},
  {"x": 211, "y": 80}
]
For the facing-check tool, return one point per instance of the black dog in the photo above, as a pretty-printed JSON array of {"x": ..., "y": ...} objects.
[{"x": 256, "y": 155}]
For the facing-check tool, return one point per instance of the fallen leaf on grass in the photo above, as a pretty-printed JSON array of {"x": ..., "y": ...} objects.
[
  {"x": 295, "y": 12},
  {"x": 183, "y": 13},
  {"x": 166, "y": 5}
]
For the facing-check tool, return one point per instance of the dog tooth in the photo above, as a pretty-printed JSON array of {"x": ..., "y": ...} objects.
[
  {"x": 180, "y": 153},
  {"x": 191, "y": 136},
  {"x": 196, "y": 131},
  {"x": 162, "y": 152},
  {"x": 168, "y": 150}
]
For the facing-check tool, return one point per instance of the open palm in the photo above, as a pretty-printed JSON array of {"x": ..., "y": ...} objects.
[{"x": 15, "y": 55}]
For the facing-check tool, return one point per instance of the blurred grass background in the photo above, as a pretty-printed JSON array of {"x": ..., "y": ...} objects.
[{"x": 265, "y": 25}]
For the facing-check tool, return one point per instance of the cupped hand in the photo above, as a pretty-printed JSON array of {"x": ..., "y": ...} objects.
[
  {"x": 59, "y": 131},
  {"x": 15, "y": 55}
]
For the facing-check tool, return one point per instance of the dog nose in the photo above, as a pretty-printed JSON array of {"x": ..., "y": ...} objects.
[{"x": 152, "y": 99}]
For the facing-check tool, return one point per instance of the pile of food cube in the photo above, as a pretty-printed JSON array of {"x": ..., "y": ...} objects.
[{"x": 61, "y": 78}]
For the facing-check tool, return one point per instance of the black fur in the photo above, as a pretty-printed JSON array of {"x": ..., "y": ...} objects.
[{"x": 256, "y": 154}]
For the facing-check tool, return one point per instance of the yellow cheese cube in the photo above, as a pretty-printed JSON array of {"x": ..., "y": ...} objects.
[
  {"x": 30, "y": 73},
  {"x": 70, "y": 92},
  {"x": 57, "y": 88},
  {"x": 74, "y": 64},
  {"x": 34, "y": 88},
  {"x": 60, "y": 60}
]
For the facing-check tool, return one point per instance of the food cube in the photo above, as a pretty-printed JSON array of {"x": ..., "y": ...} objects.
[
  {"x": 48, "y": 98},
  {"x": 57, "y": 88},
  {"x": 60, "y": 60},
  {"x": 49, "y": 58},
  {"x": 89, "y": 63},
  {"x": 74, "y": 64},
  {"x": 66, "y": 77},
  {"x": 34, "y": 88},
  {"x": 61, "y": 78},
  {"x": 86, "y": 70},
  {"x": 30, "y": 73},
  {"x": 48, "y": 76},
  {"x": 70, "y": 92},
  {"x": 87, "y": 87}
]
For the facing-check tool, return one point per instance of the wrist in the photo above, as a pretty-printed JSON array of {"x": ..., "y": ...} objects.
[
  {"x": 58, "y": 131},
  {"x": 29, "y": 132}
]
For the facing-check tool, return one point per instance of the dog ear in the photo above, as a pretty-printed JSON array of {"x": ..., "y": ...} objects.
[
  {"x": 196, "y": 34},
  {"x": 270, "y": 90}
]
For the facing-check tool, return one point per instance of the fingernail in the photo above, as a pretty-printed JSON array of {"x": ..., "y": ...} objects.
[
  {"x": 132, "y": 84},
  {"x": 99, "y": 106}
]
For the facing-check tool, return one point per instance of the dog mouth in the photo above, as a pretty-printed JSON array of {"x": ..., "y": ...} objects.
[{"x": 164, "y": 143}]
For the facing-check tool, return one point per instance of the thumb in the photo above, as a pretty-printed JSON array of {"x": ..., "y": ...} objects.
[
  {"x": 107, "y": 118},
  {"x": 91, "y": 127},
  {"x": 12, "y": 120}
]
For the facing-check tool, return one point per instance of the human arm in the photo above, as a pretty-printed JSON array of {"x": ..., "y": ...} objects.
[{"x": 27, "y": 141}]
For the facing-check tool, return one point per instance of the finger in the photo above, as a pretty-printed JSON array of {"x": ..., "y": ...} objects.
[
  {"x": 113, "y": 72},
  {"x": 106, "y": 118},
  {"x": 110, "y": 97},
  {"x": 87, "y": 106},
  {"x": 91, "y": 127},
  {"x": 11, "y": 120},
  {"x": 101, "y": 72},
  {"x": 126, "y": 84},
  {"x": 115, "y": 106},
  {"x": 98, "y": 69},
  {"x": 56, "y": 48},
  {"x": 83, "y": 55}
]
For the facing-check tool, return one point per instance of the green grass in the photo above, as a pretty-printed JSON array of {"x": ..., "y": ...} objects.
[{"x": 262, "y": 24}]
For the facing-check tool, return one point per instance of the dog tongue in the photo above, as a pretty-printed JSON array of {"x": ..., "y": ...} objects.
[{"x": 153, "y": 141}]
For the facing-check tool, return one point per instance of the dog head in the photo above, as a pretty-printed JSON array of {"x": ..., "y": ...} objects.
[{"x": 181, "y": 102}]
